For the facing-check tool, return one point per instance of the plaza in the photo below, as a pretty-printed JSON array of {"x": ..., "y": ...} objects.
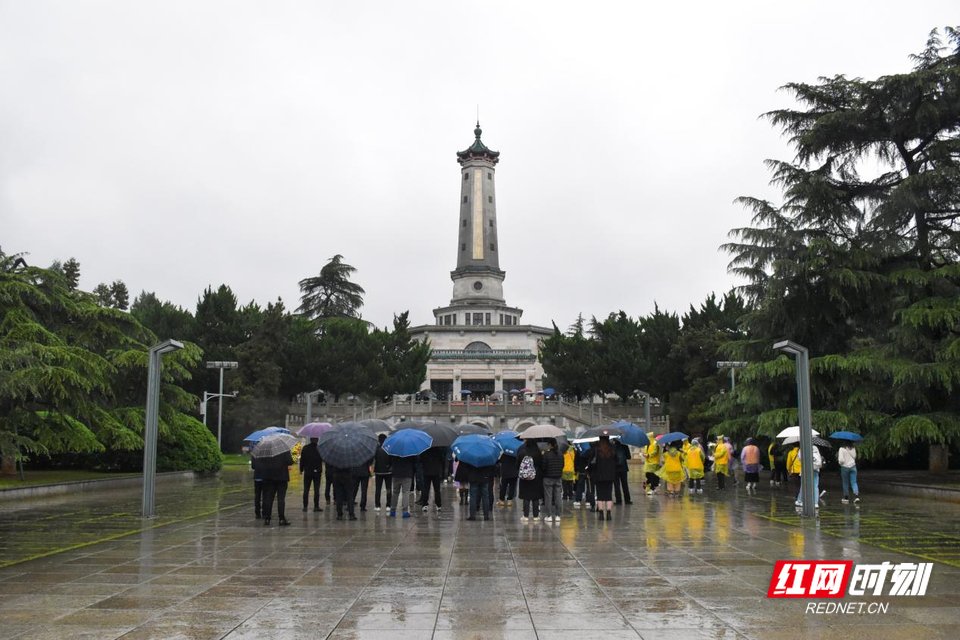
[{"x": 87, "y": 566}]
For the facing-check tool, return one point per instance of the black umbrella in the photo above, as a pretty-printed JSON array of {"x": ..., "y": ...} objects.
[
  {"x": 471, "y": 429},
  {"x": 347, "y": 446},
  {"x": 443, "y": 435},
  {"x": 602, "y": 430}
]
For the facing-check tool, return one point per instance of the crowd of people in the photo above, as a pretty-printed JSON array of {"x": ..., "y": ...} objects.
[{"x": 542, "y": 476}]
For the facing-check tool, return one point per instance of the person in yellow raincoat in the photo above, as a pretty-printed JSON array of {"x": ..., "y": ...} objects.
[
  {"x": 672, "y": 469},
  {"x": 652, "y": 464},
  {"x": 721, "y": 461},
  {"x": 793, "y": 466},
  {"x": 693, "y": 462},
  {"x": 569, "y": 476}
]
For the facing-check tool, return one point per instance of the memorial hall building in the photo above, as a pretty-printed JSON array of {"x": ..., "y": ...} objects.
[{"x": 480, "y": 343}]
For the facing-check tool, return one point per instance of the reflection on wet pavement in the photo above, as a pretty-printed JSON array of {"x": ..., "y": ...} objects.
[{"x": 87, "y": 566}]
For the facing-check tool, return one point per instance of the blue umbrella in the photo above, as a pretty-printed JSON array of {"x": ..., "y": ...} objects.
[
  {"x": 476, "y": 450},
  {"x": 509, "y": 442},
  {"x": 549, "y": 391},
  {"x": 632, "y": 434},
  {"x": 465, "y": 392},
  {"x": 347, "y": 446},
  {"x": 259, "y": 435},
  {"x": 847, "y": 435},
  {"x": 673, "y": 436},
  {"x": 407, "y": 443}
]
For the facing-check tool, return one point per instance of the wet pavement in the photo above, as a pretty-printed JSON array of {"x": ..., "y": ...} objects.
[{"x": 87, "y": 566}]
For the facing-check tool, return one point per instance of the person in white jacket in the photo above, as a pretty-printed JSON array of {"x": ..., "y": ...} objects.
[
  {"x": 817, "y": 464},
  {"x": 847, "y": 457}
]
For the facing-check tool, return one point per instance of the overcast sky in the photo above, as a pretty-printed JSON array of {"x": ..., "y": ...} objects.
[{"x": 176, "y": 145}]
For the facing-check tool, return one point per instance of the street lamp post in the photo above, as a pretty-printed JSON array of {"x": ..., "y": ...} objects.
[
  {"x": 219, "y": 364},
  {"x": 802, "y": 356},
  {"x": 733, "y": 365},
  {"x": 151, "y": 425}
]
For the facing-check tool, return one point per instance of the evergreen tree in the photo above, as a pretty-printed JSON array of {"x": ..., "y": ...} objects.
[
  {"x": 120, "y": 295},
  {"x": 569, "y": 361},
  {"x": 861, "y": 265},
  {"x": 331, "y": 294}
]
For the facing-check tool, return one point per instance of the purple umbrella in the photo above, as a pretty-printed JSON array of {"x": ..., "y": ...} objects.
[{"x": 314, "y": 429}]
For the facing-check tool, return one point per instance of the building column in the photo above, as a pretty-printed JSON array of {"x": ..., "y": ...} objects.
[{"x": 498, "y": 378}]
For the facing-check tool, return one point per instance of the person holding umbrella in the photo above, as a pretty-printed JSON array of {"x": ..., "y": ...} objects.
[
  {"x": 383, "y": 475},
  {"x": 604, "y": 471},
  {"x": 508, "y": 480},
  {"x": 530, "y": 475},
  {"x": 344, "y": 489},
  {"x": 621, "y": 488},
  {"x": 847, "y": 457},
  {"x": 479, "y": 479},
  {"x": 552, "y": 482},
  {"x": 273, "y": 461},
  {"x": 311, "y": 466},
  {"x": 433, "y": 463}
]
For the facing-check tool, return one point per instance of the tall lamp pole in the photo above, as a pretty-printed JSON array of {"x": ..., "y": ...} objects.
[
  {"x": 151, "y": 426},
  {"x": 219, "y": 364},
  {"x": 802, "y": 356}
]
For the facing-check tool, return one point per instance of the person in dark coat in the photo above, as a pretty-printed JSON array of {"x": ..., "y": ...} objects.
[
  {"x": 480, "y": 479},
  {"x": 433, "y": 461},
  {"x": 531, "y": 491},
  {"x": 344, "y": 488},
  {"x": 620, "y": 486},
  {"x": 276, "y": 476},
  {"x": 361, "y": 482},
  {"x": 311, "y": 466},
  {"x": 603, "y": 467},
  {"x": 583, "y": 493},
  {"x": 508, "y": 480},
  {"x": 382, "y": 475},
  {"x": 402, "y": 471},
  {"x": 257, "y": 488},
  {"x": 552, "y": 482}
]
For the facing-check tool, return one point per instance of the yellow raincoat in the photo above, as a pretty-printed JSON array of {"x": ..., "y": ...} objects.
[
  {"x": 693, "y": 461},
  {"x": 793, "y": 461},
  {"x": 721, "y": 457},
  {"x": 569, "y": 473},
  {"x": 653, "y": 456},
  {"x": 672, "y": 470}
]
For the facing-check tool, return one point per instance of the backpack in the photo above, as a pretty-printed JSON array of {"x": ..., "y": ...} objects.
[{"x": 527, "y": 469}]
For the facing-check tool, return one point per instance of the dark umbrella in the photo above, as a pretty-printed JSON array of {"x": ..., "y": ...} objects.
[
  {"x": 443, "y": 436},
  {"x": 603, "y": 430},
  {"x": 471, "y": 429},
  {"x": 347, "y": 446},
  {"x": 378, "y": 425},
  {"x": 314, "y": 429}
]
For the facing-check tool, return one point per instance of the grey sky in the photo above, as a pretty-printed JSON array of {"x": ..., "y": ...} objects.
[{"x": 261, "y": 138}]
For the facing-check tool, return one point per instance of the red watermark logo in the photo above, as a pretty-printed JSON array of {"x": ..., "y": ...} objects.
[
  {"x": 836, "y": 578},
  {"x": 809, "y": 579}
]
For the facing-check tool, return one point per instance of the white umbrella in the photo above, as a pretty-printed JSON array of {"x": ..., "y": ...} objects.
[
  {"x": 541, "y": 431},
  {"x": 274, "y": 445},
  {"x": 793, "y": 432}
]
